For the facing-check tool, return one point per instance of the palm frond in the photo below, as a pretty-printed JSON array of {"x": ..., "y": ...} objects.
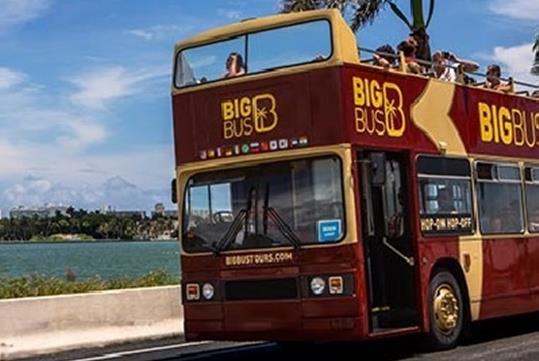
[
  {"x": 289, "y": 6},
  {"x": 357, "y": 12},
  {"x": 431, "y": 12},
  {"x": 400, "y": 14},
  {"x": 365, "y": 11}
]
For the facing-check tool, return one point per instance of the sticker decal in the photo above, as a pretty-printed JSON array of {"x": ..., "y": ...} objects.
[{"x": 329, "y": 230}]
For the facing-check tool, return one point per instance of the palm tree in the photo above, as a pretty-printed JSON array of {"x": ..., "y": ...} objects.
[
  {"x": 362, "y": 12},
  {"x": 535, "y": 68}
]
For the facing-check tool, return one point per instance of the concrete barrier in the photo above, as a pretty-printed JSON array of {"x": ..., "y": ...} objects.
[{"x": 30, "y": 326}]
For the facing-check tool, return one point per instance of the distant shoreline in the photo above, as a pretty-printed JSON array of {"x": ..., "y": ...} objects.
[{"x": 27, "y": 242}]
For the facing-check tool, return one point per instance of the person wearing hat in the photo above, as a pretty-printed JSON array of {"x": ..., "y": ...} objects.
[
  {"x": 494, "y": 72},
  {"x": 444, "y": 64}
]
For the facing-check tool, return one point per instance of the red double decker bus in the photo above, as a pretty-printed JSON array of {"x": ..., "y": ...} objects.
[{"x": 325, "y": 198}]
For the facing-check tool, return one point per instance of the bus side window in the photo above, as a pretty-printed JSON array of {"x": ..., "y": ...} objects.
[
  {"x": 445, "y": 196},
  {"x": 532, "y": 198},
  {"x": 499, "y": 197}
]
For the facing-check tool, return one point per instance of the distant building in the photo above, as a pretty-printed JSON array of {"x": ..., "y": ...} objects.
[
  {"x": 47, "y": 211},
  {"x": 108, "y": 209}
]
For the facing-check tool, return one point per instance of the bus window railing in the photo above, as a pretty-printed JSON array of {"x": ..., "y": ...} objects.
[{"x": 462, "y": 77}]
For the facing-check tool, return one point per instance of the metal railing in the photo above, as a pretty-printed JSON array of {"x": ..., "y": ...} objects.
[{"x": 463, "y": 77}]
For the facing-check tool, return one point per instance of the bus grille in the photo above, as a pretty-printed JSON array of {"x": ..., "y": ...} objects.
[{"x": 275, "y": 289}]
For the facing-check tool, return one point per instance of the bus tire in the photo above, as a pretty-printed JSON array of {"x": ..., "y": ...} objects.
[{"x": 446, "y": 311}]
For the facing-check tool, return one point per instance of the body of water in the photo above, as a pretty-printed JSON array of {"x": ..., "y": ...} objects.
[{"x": 89, "y": 259}]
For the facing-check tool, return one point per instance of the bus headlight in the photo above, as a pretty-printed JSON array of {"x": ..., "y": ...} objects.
[
  {"x": 208, "y": 291},
  {"x": 318, "y": 285}
]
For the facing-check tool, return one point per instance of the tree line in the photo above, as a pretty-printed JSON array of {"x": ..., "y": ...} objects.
[{"x": 94, "y": 225}]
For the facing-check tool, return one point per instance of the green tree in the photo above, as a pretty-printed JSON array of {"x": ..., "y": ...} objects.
[{"x": 361, "y": 12}]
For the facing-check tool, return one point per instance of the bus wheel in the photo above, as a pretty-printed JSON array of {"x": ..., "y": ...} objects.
[{"x": 446, "y": 311}]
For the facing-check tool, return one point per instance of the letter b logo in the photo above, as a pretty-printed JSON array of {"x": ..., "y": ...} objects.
[{"x": 264, "y": 113}]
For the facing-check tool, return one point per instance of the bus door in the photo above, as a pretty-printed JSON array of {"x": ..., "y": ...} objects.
[{"x": 390, "y": 265}]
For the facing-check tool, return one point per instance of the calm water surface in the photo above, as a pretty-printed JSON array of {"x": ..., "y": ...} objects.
[{"x": 89, "y": 259}]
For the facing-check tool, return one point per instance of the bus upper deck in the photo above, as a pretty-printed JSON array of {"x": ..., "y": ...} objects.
[{"x": 303, "y": 70}]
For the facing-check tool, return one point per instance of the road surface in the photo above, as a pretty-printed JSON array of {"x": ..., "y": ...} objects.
[{"x": 515, "y": 338}]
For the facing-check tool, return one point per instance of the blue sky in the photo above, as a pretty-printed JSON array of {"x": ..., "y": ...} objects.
[{"x": 84, "y": 85}]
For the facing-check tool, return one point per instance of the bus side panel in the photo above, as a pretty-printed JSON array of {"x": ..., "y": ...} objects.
[
  {"x": 377, "y": 107},
  {"x": 532, "y": 268},
  {"x": 328, "y": 125},
  {"x": 506, "y": 284}
]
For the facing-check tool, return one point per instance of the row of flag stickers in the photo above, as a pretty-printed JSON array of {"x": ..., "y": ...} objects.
[{"x": 254, "y": 147}]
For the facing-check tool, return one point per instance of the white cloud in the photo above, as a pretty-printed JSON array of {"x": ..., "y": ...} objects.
[
  {"x": 517, "y": 9},
  {"x": 144, "y": 34},
  {"x": 157, "y": 32},
  {"x": 15, "y": 12},
  {"x": 151, "y": 166},
  {"x": 516, "y": 61},
  {"x": 98, "y": 87},
  {"x": 35, "y": 123},
  {"x": 115, "y": 191},
  {"x": 49, "y": 137},
  {"x": 229, "y": 13},
  {"x": 9, "y": 78},
  {"x": 89, "y": 181},
  {"x": 82, "y": 134}
]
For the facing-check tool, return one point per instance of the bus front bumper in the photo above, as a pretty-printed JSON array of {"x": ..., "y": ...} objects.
[{"x": 301, "y": 320}]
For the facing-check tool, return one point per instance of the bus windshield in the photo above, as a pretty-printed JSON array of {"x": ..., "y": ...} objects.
[
  {"x": 265, "y": 206},
  {"x": 254, "y": 53}
]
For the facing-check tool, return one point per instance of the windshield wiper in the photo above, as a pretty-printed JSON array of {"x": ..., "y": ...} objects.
[
  {"x": 231, "y": 233},
  {"x": 285, "y": 229}
]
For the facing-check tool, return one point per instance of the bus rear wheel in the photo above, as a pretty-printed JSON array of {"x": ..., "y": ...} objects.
[{"x": 446, "y": 311}]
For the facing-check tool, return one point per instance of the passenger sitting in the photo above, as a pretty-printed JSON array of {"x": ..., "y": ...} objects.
[
  {"x": 408, "y": 49},
  {"x": 385, "y": 57},
  {"x": 234, "y": 66},
  {"x": 496, "y": 225},
  {"x": 445, "y": 201},
  {"x": 444, "y": 64},
  {"x": 533, "y": 220},
  {"x": 494, "y": 82}
]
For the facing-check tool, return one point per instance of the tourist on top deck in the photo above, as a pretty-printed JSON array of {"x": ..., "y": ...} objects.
[
  {"x": 385, "y": 56},
  {"x": 494, "y": 73},
  {"x": 408, "y": 48},
  {"x": 444, "y": 64},
  {"x": 234, "y": 66}
]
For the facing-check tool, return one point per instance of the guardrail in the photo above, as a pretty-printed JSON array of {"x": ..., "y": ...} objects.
[{"x": 37, "y": 325}]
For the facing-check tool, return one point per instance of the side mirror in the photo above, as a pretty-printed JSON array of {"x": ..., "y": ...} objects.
[
  {"x": 174, "y": 192},
  {"x": 377, "y": 166}
]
